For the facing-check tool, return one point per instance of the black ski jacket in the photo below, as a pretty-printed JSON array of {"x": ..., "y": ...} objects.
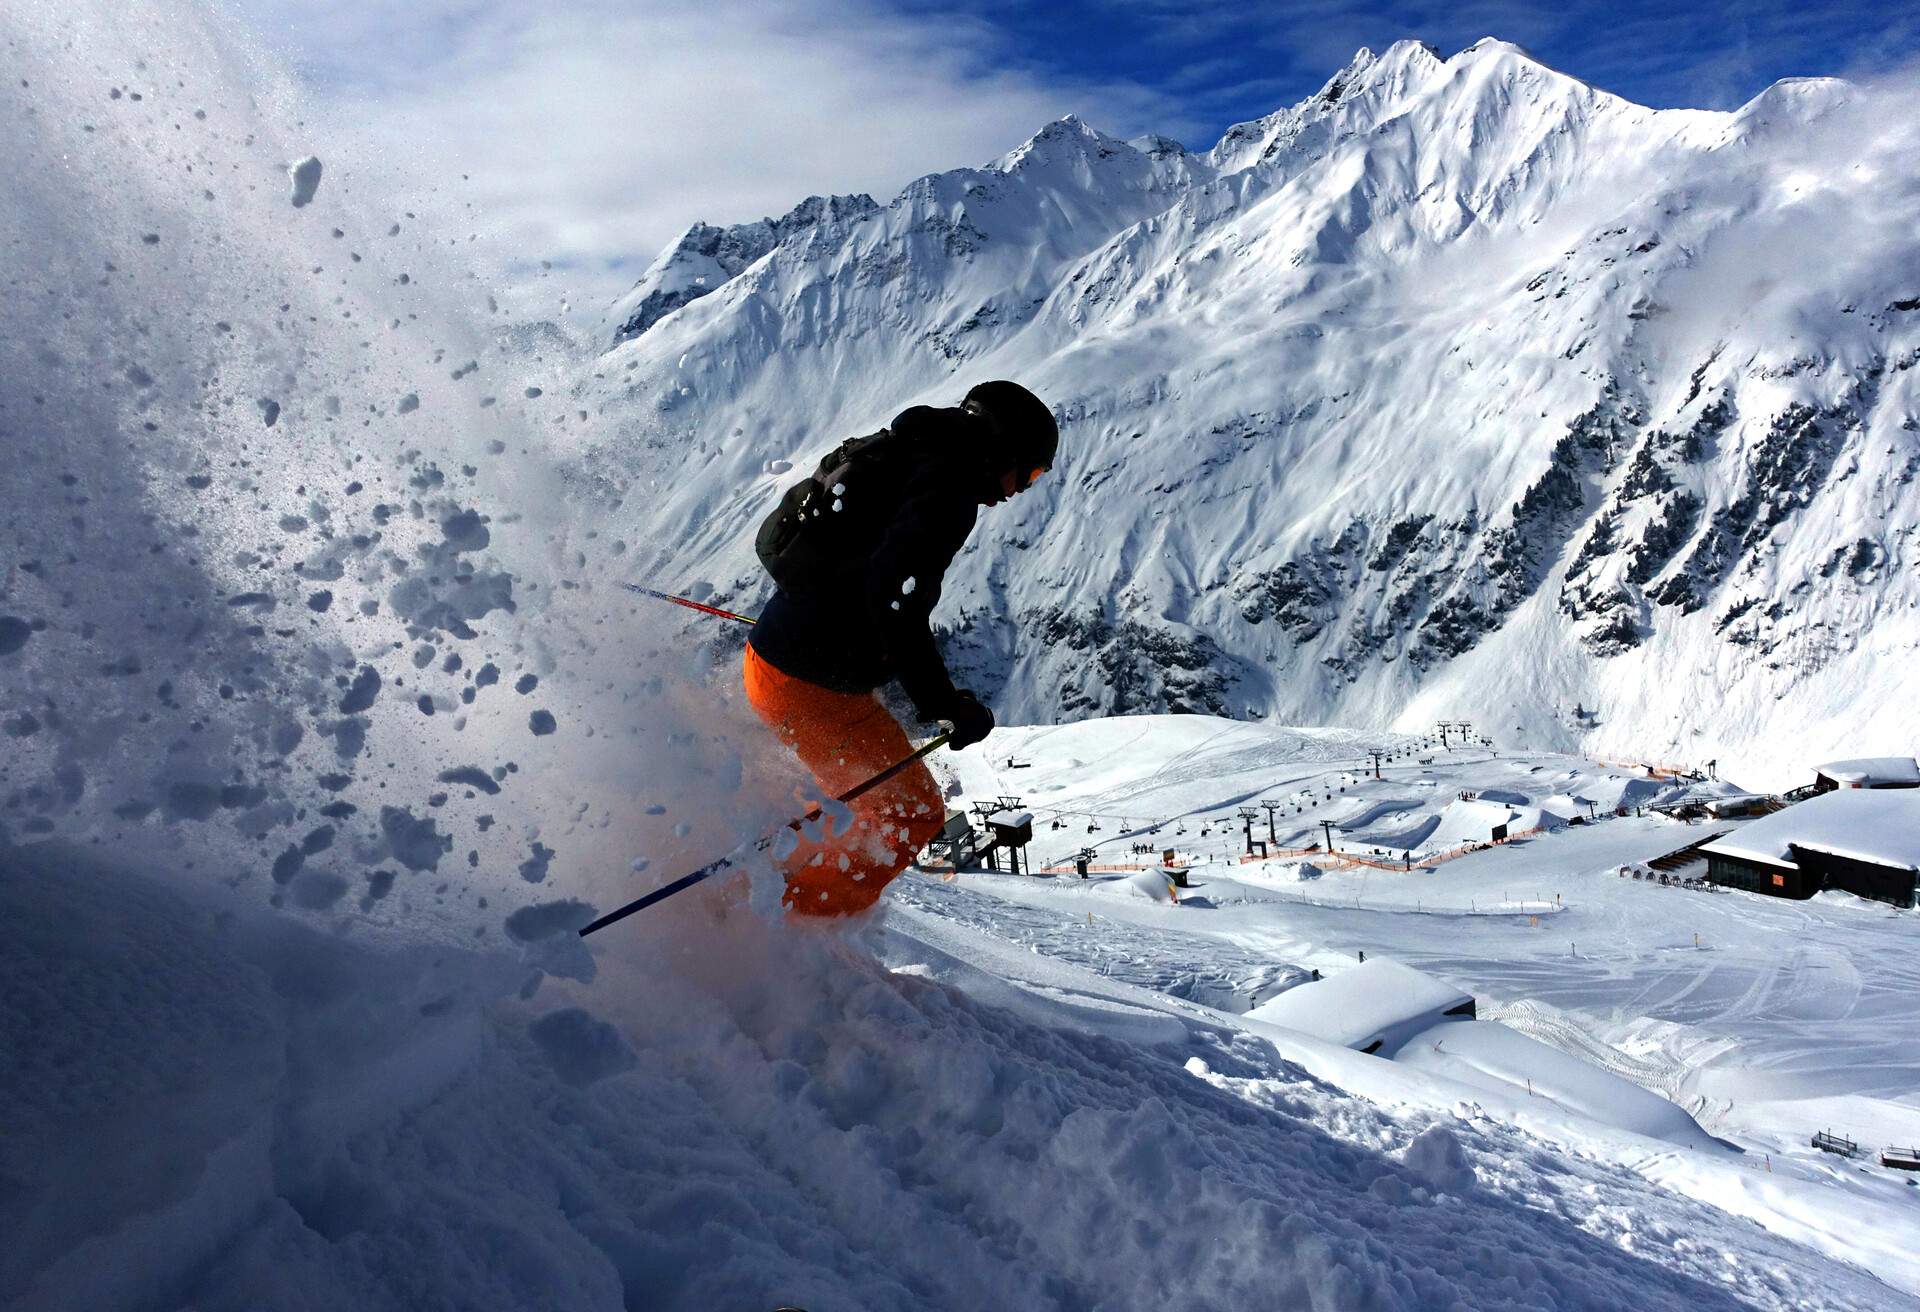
[{"x": 867, "y": 621}]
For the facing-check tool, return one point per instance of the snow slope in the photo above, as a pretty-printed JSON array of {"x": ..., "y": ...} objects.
[
  {"x": 1461, "y": 388},
  {"x": 819, "y": 1130},
  {"x": 1492, "y": 1056},
  {"x": 1762, "y": 1020}
]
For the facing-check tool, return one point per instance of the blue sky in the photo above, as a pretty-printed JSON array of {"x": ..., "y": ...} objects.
[
  {"x": 1223, "y": 63},
  {"x": 589, "y": 132}
]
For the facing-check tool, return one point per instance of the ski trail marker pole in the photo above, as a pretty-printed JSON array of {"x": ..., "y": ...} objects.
[
  {"x": 688, "y": 602},
  {"x": 726, "y": 862}
]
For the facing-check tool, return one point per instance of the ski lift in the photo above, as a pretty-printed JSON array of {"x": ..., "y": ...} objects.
[
  {"x": 1058, "y": 823},
  {"x": 1093, "y": 825}
]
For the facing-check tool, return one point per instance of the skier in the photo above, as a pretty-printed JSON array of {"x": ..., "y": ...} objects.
[{"x": 859, "y": 550}]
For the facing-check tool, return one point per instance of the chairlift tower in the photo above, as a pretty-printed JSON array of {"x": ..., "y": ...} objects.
[{"x": 1270, "y": 807}]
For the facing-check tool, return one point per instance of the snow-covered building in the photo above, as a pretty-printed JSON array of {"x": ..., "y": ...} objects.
[
  {"x": 1867, "y": 772},
  {"x": 1378, "y": 1005},
  {"x": 1863, "y": 841}
]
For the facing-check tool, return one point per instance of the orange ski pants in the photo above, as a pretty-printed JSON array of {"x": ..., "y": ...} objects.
[{"x": 846, "y": 738}]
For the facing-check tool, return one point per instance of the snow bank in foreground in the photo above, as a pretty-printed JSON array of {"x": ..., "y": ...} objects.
[{"x": 306, "y": 1121}]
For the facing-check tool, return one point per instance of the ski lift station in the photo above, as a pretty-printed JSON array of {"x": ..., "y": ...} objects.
[{"x": 1857, "y": 839}]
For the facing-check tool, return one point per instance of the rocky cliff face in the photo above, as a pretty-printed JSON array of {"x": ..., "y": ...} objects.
[{"x": 1460, "y": 387}]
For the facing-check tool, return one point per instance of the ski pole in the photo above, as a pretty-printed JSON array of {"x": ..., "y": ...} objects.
[
  {"x": 726, "y": 862},
  {"x": 688, "y": 602}
]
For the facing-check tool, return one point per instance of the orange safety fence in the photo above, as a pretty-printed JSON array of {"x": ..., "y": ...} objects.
[
  {"x": 1112, "y": 868},
  {"x": 1653, "y": 770},
  {"x": 1387, "y": 863},
  {"x": 1333, "y": 858},
  {"x": 1274, "y": 853}
]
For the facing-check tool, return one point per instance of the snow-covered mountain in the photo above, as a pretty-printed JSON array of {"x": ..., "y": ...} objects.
[{"x": 1460, "y": 388}]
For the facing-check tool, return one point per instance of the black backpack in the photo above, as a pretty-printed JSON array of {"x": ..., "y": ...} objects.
[{"x": 834, "y": 517}]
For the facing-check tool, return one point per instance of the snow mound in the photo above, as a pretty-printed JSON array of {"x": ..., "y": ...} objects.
[
  {"x": 1146, "y": 886},
  {"x": 1437, "y": 1157},
  {"x": 1478, "y": 821},
  {"x": 1277, "y": 872},
  {"x": 1490, "y": 1056}
]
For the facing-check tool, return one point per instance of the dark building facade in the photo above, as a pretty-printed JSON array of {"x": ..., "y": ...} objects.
[
  {"x": 1811, "y": 871},
  {"x": 1759, "y": 876}
]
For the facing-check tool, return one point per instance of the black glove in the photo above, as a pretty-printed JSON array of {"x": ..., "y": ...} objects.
[{"x": 971, "y": 720}]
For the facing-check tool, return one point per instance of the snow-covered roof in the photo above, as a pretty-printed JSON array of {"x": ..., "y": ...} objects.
[
  {"x": 1010, "y": 819},
  {"x": 1379, "y": 1001},
  {"x": 1882, "y": 826},
  {"x": 1872, "y": 771}
]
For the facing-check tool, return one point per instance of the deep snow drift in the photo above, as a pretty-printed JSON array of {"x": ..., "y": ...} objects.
[{"x": 324, "y": 724}]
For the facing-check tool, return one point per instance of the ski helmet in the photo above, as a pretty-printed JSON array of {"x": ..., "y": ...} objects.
[{"x": 1025, "y": 436}]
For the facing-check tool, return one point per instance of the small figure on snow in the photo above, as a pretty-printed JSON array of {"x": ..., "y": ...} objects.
[{"x": 859, "y": 550}]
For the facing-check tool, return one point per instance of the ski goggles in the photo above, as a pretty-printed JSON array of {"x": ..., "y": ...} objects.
[{"x": 1018, "y": 480}]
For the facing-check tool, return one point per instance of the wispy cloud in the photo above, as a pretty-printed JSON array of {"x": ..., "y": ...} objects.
[
  {"x": 590, "y": 138},
  {"x": 588, "y": 133}
]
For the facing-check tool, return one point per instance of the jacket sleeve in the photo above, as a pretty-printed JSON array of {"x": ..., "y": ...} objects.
[{"x": 903, "y": 586}]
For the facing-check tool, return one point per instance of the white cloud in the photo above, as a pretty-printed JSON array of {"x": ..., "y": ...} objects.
[{"x": 591, "y": 138}]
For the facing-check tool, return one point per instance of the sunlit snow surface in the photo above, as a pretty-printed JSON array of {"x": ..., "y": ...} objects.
[{"x": 324, "y": 726}]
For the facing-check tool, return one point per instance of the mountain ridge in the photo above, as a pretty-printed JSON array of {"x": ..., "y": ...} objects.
[{"x": 1558, "y": 367}]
